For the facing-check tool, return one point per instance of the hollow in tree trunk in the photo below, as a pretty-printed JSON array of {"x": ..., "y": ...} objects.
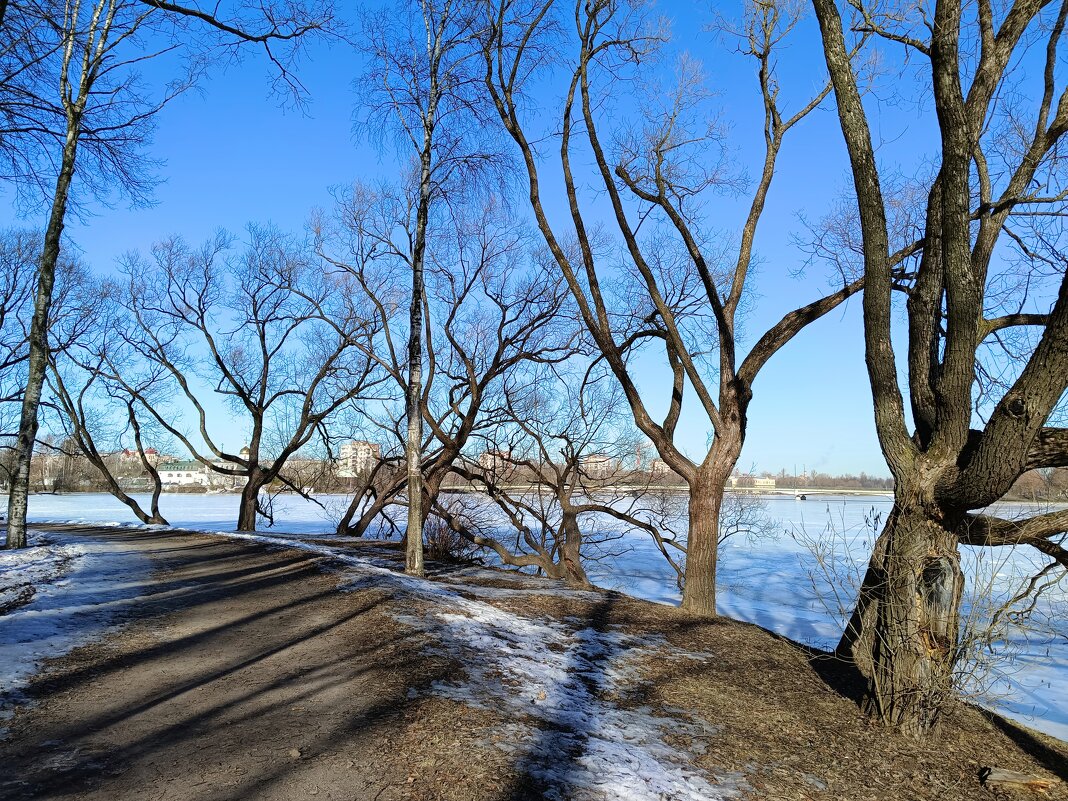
[{"x": 903, "y": 635}]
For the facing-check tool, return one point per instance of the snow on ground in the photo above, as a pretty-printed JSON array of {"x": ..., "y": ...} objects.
[
  {"x": 548, "y": 677},
  {"x": 776, "y": 583},
  {"x": 22, "y": 571},
  {"x": 81, "y": 588}
]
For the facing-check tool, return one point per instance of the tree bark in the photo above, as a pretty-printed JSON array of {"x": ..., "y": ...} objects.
[
  {"x": 38, "y": 343},
  {"x": 706, "y": 500},
  {"x": 570, "y": 560},
  {"x": 413, "y": 561},
  {"x": 903, "y": 634},
  {"x": 250, "y": 493}
]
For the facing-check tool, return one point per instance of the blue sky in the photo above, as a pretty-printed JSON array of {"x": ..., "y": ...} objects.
[{"x": 231, "y": 156}]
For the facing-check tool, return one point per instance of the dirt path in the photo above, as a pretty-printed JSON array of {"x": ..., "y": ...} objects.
[
  {"x": 257, "y": 672},
  {"x": 245, "y": 675}
]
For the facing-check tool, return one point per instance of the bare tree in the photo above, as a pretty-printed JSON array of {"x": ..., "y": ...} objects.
[
  {"x": 980, "y": 407},
  {"x": 552, "y": 465},
  {"x": 86, "y": 391},
  {"x": 683, "y": 295},
  {"x": 489, "y": 311},
  {"x": 80, "y": 101},
  {"x": 19, "y": 251},
  {"x": 563, "y": 468},
  {"x": 420, "y": 86},
  {"x": 266, "y": 330}
]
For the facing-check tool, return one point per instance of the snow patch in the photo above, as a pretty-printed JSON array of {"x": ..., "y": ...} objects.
[
  {"x": 80, "y": 588},
  {"x": 554, "y": 680}
]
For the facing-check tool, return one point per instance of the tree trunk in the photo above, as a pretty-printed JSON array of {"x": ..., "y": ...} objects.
[
  {"x": 344, "y": 526},
  {"x": 572, "y": 570},
  {"x": 38, "y": 342},
  {"x": 365, "y": 489},
  {"x": 706, "y": 499},
  {"x": 152, "y": 517},
  {"x": 413, "y": 449},
  {"x": 413, "y": 535},
  {"x": 903, "y": 634},
  {"x": 250, "y": 493},
  {"x": 367, "y": 516}
]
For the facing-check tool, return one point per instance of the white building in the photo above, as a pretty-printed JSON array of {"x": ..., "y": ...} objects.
[
  {"x": 187, "y": 473},
  {"x": 658, "y": 468},
  {"x": 357, "y": 457},
  {"x": 495, "y": 460},
  {"x": 597, "y": 465}
]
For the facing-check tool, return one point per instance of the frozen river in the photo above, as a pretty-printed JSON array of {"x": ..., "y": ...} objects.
[{"x": 776, "y": 582}]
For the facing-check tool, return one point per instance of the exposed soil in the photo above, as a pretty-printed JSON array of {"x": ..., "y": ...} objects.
[{"x": 247, "y": 674}]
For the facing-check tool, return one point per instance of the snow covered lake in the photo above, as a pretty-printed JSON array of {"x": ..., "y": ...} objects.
[{"x": 797, "y": 582}]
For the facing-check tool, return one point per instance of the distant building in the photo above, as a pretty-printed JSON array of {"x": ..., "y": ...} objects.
[
  {"x": 642, "y": 460},
  {"x": 597, "y": 465},
  {"x": 357, "y": 458},
  {"x": 495, "y": 460},
  {"x": 658, "y": 468},
  {"x": 187, "y": 473},
  {"x": 153, "y": 456},
  {"x": 749, "y": 481}
]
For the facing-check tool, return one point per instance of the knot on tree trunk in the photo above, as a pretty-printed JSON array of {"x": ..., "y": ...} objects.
[{"x": 1016, "y": 407}]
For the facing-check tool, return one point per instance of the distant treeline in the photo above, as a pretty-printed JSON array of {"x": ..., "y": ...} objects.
[{"x": 817, "y": 480}]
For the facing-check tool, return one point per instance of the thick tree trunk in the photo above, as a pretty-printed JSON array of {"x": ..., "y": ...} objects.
[
  {"x": 38, "y": 355},
  {"x": 706, "y": 499},
  {"x": 250, "y": 493},
  {"x": 903, "y": 635},
  {"x": 570, "y": 561}
]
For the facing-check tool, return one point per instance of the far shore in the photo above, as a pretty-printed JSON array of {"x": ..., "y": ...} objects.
[{"x": 626, "y": 489}]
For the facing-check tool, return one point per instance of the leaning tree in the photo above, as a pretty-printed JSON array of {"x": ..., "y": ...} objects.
[
  {"x": 86, "y": 398},
  {"x": 985, "y": 335}
]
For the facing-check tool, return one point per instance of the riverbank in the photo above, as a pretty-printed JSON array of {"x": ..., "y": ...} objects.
[
  {"x": 252, "y": 670},
  {"x": 776, "y": 581}
]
